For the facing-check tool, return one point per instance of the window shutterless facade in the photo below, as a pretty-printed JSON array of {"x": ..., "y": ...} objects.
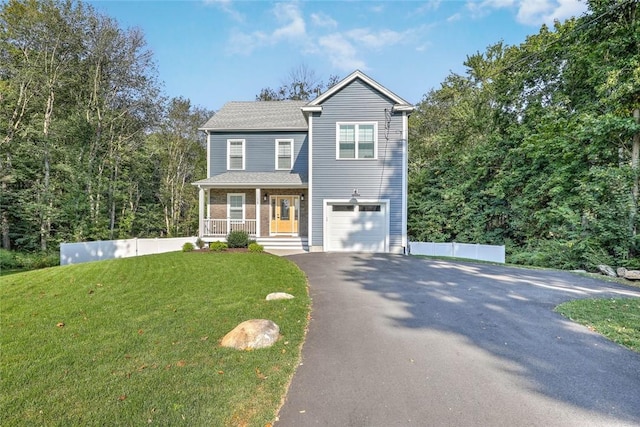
[
  {"x": 356, "y": 140},
  {"x": 235, "y": 206},
  {"x": 235, "y": 154},
  {"x": 284, "y": 154}
]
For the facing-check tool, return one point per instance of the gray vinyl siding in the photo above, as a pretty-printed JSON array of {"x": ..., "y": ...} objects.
[
  {"x": 374, "y": 179},
  {"x": 259, "y": 151}
]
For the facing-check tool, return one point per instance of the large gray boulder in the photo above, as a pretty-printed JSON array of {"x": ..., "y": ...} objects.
[
  {"x": 252, "y": 334},
  {"x": 606, "y": 270},
  {"x": 621, "y": 271},
  {"x": 632, "y": 274}
]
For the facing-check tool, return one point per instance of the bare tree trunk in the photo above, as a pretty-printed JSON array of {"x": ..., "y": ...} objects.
[
  {"x": 45, "y": 219},
  {"x": 4, "y": 217},
  {"x": 635, "y": 155}
]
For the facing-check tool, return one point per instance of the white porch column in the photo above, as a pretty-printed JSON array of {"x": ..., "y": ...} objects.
[
  {"x": 201, "y": 206},
  {"x": 258, "y": 204}
]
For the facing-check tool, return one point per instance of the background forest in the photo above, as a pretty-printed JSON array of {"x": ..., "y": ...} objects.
[
  {"x": 90, "y": 149},
  {"x": 535, "y": 146}
]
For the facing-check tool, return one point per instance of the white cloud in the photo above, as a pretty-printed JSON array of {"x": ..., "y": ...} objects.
[
  {"x": 379, "y": 8},
  {"x": 292, "y": 28},
  {"x": 547, "y": 11},
  {"x": 455, "y": 17},
  {"x": 531, "y": 12},
  {"x": 290, "y": 15},
  {"x": 341, "y": 52},
  {"x": 423, "y": 47},
  {"x": 373, "y": 40},
  {"x": 479, "y": 9},
  {"x": 226, "y": 5},
  {"x": 345, "y": 50},
  {"x": 244, "y": 44},
  {"x": 429, "y": 6},
  {"x": 323, "y": 20}
]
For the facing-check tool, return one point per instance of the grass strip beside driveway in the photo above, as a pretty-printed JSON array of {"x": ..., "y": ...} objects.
[
  {"x": 136, "y": 341},
  {"x": 618, "y": 319}
]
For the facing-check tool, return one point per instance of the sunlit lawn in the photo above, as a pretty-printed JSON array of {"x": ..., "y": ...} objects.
[
  {"x": 616, "y": 319},
  {"x": 136, "y": 341}
]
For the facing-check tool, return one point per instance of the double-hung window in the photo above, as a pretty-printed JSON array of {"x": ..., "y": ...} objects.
[
  {"x": 235, "y": 154},
  {"x": 284, "y": 154},
  {"x": 356, "y": 140},
  {"x": 235, "y": 206}
]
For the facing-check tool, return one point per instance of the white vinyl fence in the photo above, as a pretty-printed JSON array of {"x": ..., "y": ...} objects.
[
  {"x": 76, "y": 253},
  {"x": 459, "y": 250}
]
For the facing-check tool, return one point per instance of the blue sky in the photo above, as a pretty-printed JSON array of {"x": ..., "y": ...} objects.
[{"x": 214, "y": 51}]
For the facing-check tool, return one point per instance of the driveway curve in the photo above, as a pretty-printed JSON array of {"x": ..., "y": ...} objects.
[{"x": 405, "y": 341}]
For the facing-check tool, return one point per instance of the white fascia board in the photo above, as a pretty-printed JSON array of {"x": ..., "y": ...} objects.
[
  {"x": 403, "y": 108},
  {"x": 351, "y": 77},
  {"x": 311, "y": 109}
]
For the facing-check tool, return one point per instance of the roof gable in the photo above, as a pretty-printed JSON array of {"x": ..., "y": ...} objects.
[
  {"x": 258, "y": 115},
  {"x": 316, "y": 104}
]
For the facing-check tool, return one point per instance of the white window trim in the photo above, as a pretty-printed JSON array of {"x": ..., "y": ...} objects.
[
  {"x": 229, "y": 195},
  {"x": 357, "y": 125},
  {"x": 244, "y": 157},
  {"x": 290, "y": 141}
]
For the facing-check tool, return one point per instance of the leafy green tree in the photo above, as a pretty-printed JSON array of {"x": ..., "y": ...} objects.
[
  {"x": 534, "y": 145},
  {"x": 178, "y": 150}
]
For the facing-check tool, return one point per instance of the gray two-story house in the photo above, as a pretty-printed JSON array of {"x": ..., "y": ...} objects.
[{"x": 325, "y": 175}]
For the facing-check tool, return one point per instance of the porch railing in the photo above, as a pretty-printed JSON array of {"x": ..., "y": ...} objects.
[{"x": 222, "y": 227}]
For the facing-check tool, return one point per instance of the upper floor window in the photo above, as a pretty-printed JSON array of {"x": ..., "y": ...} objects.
[
  {"x": 356, "y": 140},
  {"x": 284, "y": 154},
  {"x": 235, "y": 154}
]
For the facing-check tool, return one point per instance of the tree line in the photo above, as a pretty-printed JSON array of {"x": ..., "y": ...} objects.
[
  {"x": 536, "y": 146},
  {"x": 89, "y": 147}
]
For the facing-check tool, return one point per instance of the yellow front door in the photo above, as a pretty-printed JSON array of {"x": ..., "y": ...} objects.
[{"x": 284, "y": 214}]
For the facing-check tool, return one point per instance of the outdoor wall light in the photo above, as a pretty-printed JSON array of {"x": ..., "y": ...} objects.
[
  {"x": 302, "y": 197},
  {"x": 265, "y": 197},
  {"x": 354, "y": 196}
]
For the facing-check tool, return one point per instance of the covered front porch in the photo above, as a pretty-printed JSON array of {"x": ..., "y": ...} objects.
[{"x": 276, "y": 208}]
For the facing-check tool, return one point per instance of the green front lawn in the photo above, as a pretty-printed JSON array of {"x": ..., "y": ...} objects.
[
  {"x": 616, "y": 319},
  {"x": 135, "y": 341}
]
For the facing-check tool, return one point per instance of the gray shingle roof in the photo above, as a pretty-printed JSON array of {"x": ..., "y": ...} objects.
[
  {"x": 258, "y": 115},
  {"x": 254, "y": 179}
]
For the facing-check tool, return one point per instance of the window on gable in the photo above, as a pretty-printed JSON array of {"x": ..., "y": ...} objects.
[
  {"x": 235, "y": 154},
  {"x": 356, "y": 140},
  {"x": 235, "y": 206},
  {"x": 284, "y": 154}
]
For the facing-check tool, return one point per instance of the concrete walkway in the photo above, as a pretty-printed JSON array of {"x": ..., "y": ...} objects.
[{"x": 404, "y": 341}]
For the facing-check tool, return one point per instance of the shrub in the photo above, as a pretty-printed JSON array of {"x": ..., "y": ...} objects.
[
  {"x": 238, "y": 239},
  {"x": 199, "y": 243},
  {"x": 8, "y": 261},
  {"x": 254, "y": 247},
  {"x": 188, "y": 247},
  {"x": 217, "y": 246}
]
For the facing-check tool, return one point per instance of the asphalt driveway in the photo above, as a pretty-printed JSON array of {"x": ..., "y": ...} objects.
[{"x": 406, "y": 341}]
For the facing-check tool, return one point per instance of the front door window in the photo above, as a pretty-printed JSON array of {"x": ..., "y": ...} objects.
[{"x": 284, "y": 214}]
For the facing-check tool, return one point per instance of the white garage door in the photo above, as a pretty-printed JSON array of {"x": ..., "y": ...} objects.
[{"x": 356, "y": 227}]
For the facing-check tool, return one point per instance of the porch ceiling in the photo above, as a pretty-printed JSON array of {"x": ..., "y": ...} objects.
[{"x": 254, "y": 179}]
